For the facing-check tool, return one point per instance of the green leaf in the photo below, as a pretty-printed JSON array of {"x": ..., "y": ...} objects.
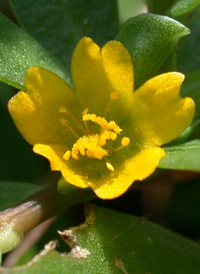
[
  {"x": 183, "y": 7},
  {"x": 19, "y": 51},
  {"x": 182, "y": 157},
  {"x": 112, "y": 242},
  {"x": 59, "y": 24},
  {"x": 13, "y": 192},
  {"x": 189, "y": 52},
  {"x": 170, "y": 63},
  {"x": 150, "y": 39}
]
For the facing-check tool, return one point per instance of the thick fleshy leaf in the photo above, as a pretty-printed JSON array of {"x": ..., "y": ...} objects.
[
  {"x": 189, "y": 52},
  {"x": 150, "y": 40},
  {"x": 182, "y": 157},
  {"x": 114, "y": 243},
  {"x": 98, "y": 74},
  {"x": 183, "y": 7},
  {"x": 13, "y": 192},
  {"x": 170, "y": 63},
  {"x": 65, "y": 22},
  {"x": 19, "y": 51},
  {"x": 159, "y": 114}
]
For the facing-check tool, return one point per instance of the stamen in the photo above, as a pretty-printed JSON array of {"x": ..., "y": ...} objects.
[
  {"x": 113, "y": 136},
  {"x": 89, "y": 145},
  {"x": 64, "y": 122},
  {"x": 109, "y": 166},
  {"x": 64, "y": 110},
  {"x": 92, "y": 144},
  {"x": 124, "y": 142},
  {"x": 85, "y": 124},
  {"x": 113, "y": 97},
  {"x": 66, "y": 156}
]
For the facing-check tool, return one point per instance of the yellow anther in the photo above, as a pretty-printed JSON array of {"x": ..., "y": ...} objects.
[
  {"x": 109, "y": 166},
  {"x": 96, "y": 119},
  {"x": 64, "y": 110},
  {"x": 112, "y": 126},
  {"x": 125, "y": 141},
  {"x": 66, "y": 156},
  {"x": 92, "y": 145},
  {"x": 113, "y": 96},
  {"x": 113, "y": 136}
]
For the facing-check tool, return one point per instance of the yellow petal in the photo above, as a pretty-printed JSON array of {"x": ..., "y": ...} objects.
[
  {"x": 119, "y": 70},
  {"x": 98, "y": 75},
  {"x": 55, "y": 155},
  {"x": 28, "y": 119},
  {"x": 36, "y": 113},
  {"x": 138, "y": 167},
  {"x": 159, "y": 114}
]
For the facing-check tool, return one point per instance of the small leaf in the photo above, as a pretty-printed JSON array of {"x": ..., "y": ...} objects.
[
  {"x": 114, "y": 243},
  {"x": 170, "y": 63},
  {"x": 13, "y": 192},
  {"x": 19, "y": 51},
  {"x": 59, "y": 24},
  {"x": 183, "y": 7},
  {"x": 182, "y": 157},
  {"x": 150, "y": 40}
]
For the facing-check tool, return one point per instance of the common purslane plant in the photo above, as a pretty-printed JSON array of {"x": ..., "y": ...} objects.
[
  {"x": 102, "y": 133},
  {"x": 109, "y": 121}
]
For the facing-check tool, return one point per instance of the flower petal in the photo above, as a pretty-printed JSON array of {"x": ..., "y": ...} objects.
[
  {"x": 55, "y": 155},
  {"x": 159, "y": 114},
  {"x": 98, "y": 75},
  {"x": 138, "y": 167},
  {"x": 36, "y": 113}
]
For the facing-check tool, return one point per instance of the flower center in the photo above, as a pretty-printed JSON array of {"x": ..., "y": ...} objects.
[{"x": 93, "y": 144}]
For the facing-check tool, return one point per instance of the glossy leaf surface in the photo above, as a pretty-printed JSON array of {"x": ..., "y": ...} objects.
[
  {"x": 59, "y": 24},
  {"x": 19, "y": 51},
  {"x": 151, "y": 40},
  {"x": 183, "y": 7},
  {"x": 182, "y": 157},
  {"x": 112, "y": 242}
]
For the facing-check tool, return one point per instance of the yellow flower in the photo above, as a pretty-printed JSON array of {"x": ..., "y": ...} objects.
[{"x": 101, "y": 133}]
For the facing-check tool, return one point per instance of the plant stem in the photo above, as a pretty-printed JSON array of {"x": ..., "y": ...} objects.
[{"x": 43, "y": 205}]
